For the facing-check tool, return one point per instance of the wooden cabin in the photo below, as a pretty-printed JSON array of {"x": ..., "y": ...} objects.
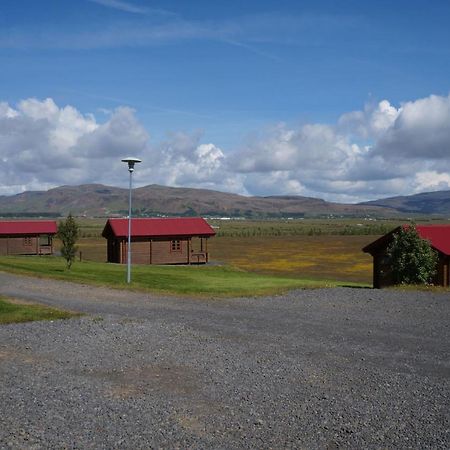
[
  {"x": 159, "y": 240},
  {"x": 27, "y": 237},
  {"x": 439, "y": 238}
]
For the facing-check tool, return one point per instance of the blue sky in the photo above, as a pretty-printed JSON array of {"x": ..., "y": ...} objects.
[{"x": 319, "y": 98}]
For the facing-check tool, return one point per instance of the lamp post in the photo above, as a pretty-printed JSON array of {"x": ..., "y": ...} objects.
[{"x": 131, "y": 162}]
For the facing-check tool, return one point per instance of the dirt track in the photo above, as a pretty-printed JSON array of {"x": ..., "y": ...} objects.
[{"x": 350, "y": 368}]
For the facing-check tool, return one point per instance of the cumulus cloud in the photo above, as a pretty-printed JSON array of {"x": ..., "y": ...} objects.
[
  {"x": 372, "y": 122},
  {"x": 183, "y": 160},
  {"x": 6, "y": 111},
  {"x": 421, "y": 130},
  {"x": 379, "y": 151},
  {"x": 312, "y": 146},
  {"x": 121, "y": 133},
  {"x": 432, "y": 180},
  {"x": 42, "y": 144}
]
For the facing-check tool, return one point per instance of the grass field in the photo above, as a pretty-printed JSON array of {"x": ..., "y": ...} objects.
[
  {"x": 316, "y": 257},
  {"x": 14, "y": 311},
  {"x": 292, "y": 253},
  {"x": 332, "y": 251},
  {"x": 180, "y": 280}
]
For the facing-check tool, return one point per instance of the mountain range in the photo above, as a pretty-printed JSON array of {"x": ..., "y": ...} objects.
[{"x": 96, "y": 200}]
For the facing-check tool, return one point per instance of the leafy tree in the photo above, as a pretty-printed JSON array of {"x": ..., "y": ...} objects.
[
  {"x": 413, "y": 260},
  {"x": 68, "y": 233}
]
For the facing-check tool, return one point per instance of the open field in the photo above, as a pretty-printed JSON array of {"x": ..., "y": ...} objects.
[
  {"x": 246, "y": 257},
  {"x": 317, "y": 249},
  {"x": 318, "y": 257},
  {"x": 178, "y": 280}
]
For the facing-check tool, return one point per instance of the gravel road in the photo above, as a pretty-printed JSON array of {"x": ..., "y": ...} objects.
[{"x": 331, "y": 368}]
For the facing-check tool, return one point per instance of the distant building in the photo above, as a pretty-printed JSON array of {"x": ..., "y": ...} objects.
[
  {"x": 159, "y": 240},
  {"x": 27, "y": 237},
  {"x": 437, "y": 235}
]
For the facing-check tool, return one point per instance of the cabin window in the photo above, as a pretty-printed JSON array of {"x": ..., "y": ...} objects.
[
  {"x": 45, "y": 240},
  {"x": 27, "y": 242},
  {"x": 175, "y": 246}
]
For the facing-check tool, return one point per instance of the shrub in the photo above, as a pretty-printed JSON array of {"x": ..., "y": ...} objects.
[{"x": 413, "y": 260}]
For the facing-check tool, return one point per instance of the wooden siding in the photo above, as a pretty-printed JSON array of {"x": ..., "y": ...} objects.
[
  {"x": 186, "y": 251},
  {"x": 382, "y": 273},
  {"x": 159, "y": 252},
  {"x": 443, "y": 274},
  {"x": 156, "y": 252},
  {"x": 25, "y": 245}
]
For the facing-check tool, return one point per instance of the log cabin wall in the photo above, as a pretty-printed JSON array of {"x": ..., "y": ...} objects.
[
  {"x": 382, "y": 272},
  {"x": 140, "y": 252},
  {"x": 158, "y": 252},
  {"x": 3, "y": 246},
  {"x": 114, "y": 250},
  {"x": 23, "y": 245},
  {"x": 443, "y": 271},
  {"x": 174, "y": 251}
]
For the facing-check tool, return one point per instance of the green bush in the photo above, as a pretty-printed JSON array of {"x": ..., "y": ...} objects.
[{"x": 413, "y": 260}]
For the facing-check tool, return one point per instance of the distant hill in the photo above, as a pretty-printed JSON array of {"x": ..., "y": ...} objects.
[
  {"x": 99, "y": 200},
  {"x": 435, "y": 203}
]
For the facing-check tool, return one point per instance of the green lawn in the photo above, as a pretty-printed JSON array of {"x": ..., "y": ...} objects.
[
  {"x": 179, "y": 280},
  {"x": 16, "y": 312}
]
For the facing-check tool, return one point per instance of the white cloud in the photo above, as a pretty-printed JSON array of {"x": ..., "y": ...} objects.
[
  {"x": 370, "y": 123},
  {"x": 36, "y": 109},
  {"x": 122, "y": 133},
  {"x": 42, "y": 144},
  {"x": 431, "y": 181},
  {"x": 421, "y": 130},
  {"x": 380, "y": 151},
  {"x": 184, "y": 161},
  {"x": 6, "y": 111},
  {"x": 311, "y": 146}
]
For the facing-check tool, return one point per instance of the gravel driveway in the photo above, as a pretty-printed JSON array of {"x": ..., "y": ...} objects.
[{"x": 334, "y": 368}]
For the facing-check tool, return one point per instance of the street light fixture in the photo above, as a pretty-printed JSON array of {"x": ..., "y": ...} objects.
[{"x": 131, "y": 162}]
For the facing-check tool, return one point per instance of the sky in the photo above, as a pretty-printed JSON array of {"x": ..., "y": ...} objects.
[{"x": 345, "y": 100}]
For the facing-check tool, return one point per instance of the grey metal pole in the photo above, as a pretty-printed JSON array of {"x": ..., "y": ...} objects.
[
  {"x": 129, "y": 230},
  {"x": 131, "y": 162}
]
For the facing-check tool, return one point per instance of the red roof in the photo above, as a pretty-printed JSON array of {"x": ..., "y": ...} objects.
[
  {"x": 438, "y": 235},
  {"x": 27, "y": 227},
  {"x": 167, "y": 227}
]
